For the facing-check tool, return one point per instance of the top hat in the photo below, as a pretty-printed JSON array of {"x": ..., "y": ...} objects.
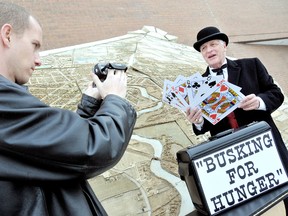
[{"x": 207, "y": 34}]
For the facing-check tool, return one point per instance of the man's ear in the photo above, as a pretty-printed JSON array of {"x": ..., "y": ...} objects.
[{"x": 6, "y": 31}]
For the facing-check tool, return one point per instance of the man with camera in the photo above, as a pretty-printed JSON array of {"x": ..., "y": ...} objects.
[{"x": 47, "y": 154}]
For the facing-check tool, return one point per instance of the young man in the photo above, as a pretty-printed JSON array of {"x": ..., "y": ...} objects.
[
  {"x": 47, "y": 154},
  {"x": 262, "y": 95}
]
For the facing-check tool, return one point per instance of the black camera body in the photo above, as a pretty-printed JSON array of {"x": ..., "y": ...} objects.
[{"x": 101, "y": 69}]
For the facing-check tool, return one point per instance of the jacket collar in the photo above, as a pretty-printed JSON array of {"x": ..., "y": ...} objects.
[{"x": 233, "y": 71}]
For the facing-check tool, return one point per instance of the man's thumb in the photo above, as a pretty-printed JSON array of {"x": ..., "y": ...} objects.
[{"x": 96, "y": 80}]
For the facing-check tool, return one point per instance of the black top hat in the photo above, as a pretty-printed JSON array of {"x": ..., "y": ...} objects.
[{"x": 207, "y": 34}]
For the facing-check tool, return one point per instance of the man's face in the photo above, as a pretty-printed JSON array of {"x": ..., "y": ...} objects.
[
  {"x": 214, "y": 53},
  {"x": 24, "y": 53}
]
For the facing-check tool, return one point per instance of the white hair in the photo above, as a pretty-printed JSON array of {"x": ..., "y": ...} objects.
[{"x": 222, "y": 42}]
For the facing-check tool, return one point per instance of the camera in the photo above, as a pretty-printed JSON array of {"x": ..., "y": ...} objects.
[{"x": 101, "y": 69}]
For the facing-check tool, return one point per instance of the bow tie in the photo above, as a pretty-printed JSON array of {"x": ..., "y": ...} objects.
[{"x": 219, "y": 71}]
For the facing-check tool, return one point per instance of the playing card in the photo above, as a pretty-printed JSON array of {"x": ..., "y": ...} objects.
[
  {"x": 194, "y": 84},
  {"x": 221, "y": 102},
  {"x": 216, "y": 97},
  {"x": 209, "y": 84},
  {"x": 169, "y": 96},
  {"x": 180, "y": 89}
]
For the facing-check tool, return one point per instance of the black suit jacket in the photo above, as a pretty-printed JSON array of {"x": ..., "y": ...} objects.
[{"x": 251, "y": 75}]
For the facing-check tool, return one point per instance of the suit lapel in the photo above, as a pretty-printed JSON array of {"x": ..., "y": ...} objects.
[
  {"x": 207, "y": 72},
  {"x": 233, "y": 72}
]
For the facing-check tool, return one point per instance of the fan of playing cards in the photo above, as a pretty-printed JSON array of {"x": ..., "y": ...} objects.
[{"x": 215, "y": 96}]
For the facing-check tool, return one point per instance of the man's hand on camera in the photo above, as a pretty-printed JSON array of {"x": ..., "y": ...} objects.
[
  {"x": 92, "y": 92},
  {"x": 115, "y": 83}
]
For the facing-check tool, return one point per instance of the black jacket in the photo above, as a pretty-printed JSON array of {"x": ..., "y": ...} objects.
[
  {"x": 47, "y": 154},
  {"x": 251, "y": 75}
]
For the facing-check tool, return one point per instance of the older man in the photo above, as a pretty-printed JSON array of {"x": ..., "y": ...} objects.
[
  {"x": 47, "y": 154},
  {"x": 263, "y": 96}
]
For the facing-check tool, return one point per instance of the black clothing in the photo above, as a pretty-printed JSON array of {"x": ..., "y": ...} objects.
[
  {"x": 47, "y": 154},
  {"x": 251, "y": 75}
]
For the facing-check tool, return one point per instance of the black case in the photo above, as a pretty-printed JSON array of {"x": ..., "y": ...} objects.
[{"x": 189, "y": 174}]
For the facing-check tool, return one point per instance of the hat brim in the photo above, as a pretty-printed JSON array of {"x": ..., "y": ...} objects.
[{"x": 219, "y": 35}]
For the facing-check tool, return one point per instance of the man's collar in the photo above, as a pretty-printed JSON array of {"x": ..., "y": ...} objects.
[{"x": 225, "y": 62}]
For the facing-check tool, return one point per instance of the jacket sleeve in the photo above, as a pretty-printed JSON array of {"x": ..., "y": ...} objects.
[
  {"x": 205, "y": 128},
  {"x": 88, "y": 106},
  {"x": 38, "y": 142},
  {"x": 269, "y": 92}
]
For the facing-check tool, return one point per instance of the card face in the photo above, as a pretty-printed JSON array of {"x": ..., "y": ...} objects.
[
  {"x": 180, "y": 89},
  {"x": 169, "y": 96},
  {"x": 194, "y": 88},
  {"x": 216, "y": 97},
  {"x": 220, "y": 103},
  {"x": 208, "y": 86}
]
